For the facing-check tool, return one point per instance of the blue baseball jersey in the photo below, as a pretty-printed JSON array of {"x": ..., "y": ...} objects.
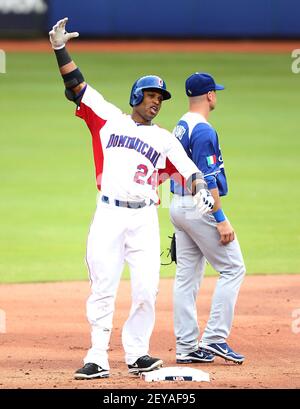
[{"x": 201, "y": 143}]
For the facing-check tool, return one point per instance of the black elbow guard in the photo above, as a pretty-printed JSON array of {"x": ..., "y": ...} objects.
[{"x": 73, "y": 78}]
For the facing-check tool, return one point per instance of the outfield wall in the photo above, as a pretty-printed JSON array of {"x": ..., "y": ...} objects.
[
  {"x": 182, "y": 18},
  {"x": 158, "y": 18}
]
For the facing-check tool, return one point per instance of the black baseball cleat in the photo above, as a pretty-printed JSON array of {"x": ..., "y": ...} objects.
[
  {"x": 145, "y": 364},
  {"x": 91, "y": 371}
]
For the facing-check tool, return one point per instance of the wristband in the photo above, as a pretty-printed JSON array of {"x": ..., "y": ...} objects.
[
  {"x": 219, "y": 216},
  {"x": 62, "y": 56}
]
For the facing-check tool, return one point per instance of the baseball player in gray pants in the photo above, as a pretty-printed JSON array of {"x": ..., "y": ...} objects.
[{"x": 208, "y": 237}]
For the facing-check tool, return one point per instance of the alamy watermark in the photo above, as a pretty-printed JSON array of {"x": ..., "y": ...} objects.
[
  {"x": 296, "y": 61},
  {"x": 2, "y": 322},
  {"x": 2, "y": 62},
  {"x": 166, "y": 200},
  {"x": 296, "y": 321}
]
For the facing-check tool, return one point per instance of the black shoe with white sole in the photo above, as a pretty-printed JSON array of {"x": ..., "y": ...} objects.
[
  {"x": 145, "y": 364},
  {"x": 91, "y": 371}
]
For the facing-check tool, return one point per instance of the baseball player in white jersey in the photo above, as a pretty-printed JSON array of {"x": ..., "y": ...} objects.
[
  {"x": 210, "y": 237},
  {"x": 128, "y": 152}
]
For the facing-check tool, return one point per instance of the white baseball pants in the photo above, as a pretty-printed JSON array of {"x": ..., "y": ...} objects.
[{"x": 119, "y": 234}]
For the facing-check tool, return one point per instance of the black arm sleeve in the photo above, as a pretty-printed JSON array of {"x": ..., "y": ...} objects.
[
  {"x": 71, "y": 79},
  {"x": 62, "y": 57}
]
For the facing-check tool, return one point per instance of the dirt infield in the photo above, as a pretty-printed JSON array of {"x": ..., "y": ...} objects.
[
  {"x": 47, "y": 335},
  {"x": 156, "y": 46}
]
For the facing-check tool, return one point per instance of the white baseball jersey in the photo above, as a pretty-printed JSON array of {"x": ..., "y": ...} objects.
[{"x": 128, "y": 155}]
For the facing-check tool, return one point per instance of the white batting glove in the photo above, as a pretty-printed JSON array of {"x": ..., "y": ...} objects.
[
  {"x": 204, "y": 201},
  {"x": 59, "y": 36}
]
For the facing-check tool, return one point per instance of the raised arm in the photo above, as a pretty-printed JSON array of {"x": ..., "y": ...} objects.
[{"x": 72, "y": 77}]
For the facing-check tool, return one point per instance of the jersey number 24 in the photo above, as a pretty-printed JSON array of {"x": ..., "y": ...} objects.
[{"x": 141, "y": 175}]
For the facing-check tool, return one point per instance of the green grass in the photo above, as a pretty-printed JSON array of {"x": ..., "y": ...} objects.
[{"x": 48, "y": 193}]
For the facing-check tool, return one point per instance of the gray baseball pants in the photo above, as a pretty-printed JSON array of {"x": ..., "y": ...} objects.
[{"x": 197, "y": 240}]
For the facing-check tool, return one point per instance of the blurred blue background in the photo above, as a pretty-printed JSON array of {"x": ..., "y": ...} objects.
[{"x": 168, "y": 18}]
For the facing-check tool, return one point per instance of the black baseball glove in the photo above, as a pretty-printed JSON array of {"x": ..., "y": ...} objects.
[{"x": 171, "y": 251}]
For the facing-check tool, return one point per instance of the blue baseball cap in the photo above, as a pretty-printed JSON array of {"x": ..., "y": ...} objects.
[{"x": 201, "y": 83}]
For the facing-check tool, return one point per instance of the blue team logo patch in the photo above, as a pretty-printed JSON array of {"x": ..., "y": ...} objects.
[{"x": 179, "y": 131}]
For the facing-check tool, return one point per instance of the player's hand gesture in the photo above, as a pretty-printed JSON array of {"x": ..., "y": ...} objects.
[
  {"x": 204, "y": 201},
  {"x": 59, "y": 36}
]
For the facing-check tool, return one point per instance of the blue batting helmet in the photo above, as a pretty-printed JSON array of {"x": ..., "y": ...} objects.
[{"x": 147, "y": 82}]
